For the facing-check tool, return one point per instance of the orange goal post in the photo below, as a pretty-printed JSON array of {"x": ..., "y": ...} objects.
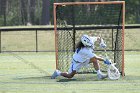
[{"x": 73, "y": 19}]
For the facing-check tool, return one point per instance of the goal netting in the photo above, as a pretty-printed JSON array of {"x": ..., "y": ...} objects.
[{"x": 73, "y": 19}]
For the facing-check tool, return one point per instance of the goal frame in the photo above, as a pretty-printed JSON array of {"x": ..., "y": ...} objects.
[{"x": 90, "y": 3}]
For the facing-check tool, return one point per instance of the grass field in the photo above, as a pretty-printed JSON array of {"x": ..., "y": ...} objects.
[
  {"x": 31, "y": 72},
  {"x": 17, "y": 76}
]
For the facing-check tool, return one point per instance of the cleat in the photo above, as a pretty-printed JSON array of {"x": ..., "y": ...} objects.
[
  {"x": 101, "y": 76},
  {"x": 55, "y": 74}
]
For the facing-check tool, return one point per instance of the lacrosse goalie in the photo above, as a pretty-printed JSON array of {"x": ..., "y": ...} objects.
[{"x": 84, "y": 55}]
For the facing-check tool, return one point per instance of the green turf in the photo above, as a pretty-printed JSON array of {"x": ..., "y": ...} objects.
[
  {"x": 17, "y": 76},
  {"x": 33, "y": 76}
]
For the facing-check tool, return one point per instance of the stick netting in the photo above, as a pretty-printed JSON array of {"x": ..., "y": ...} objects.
[{"x": 75, "y": 20}]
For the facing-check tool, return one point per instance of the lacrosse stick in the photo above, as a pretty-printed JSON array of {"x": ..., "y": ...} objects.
[{"x": 112, "y": 71}]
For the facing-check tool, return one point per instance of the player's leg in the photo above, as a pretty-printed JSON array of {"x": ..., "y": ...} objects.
[
  {"x": 74, "y": 67},
  {"x": 96, "y": 65},
  {"x": 72, "y": 70},
  {"x": 69, "y": 75},
  {"x": 64, "y": 74}
]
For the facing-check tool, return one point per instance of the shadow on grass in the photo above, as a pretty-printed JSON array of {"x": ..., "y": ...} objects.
[
  {"x": 27, "y": 78},
  {"x": 80, "y": 80},
  {"x": 77, "y": 79},
  {"x": 62, "y": 79},
  {"x": 66, "y": 80}
]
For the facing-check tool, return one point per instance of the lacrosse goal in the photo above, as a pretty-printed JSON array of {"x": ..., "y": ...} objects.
[{"x": 73, "y": 19}]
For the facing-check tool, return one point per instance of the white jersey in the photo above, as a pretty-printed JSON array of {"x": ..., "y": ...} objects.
[{"x": 83, "y": 54}]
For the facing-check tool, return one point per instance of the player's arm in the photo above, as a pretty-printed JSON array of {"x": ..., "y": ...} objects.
[
  {"x": 95, "y": 39},
  {"x": 100, "y": 40},
  {"x": 99, "y": 58},
  {"x": 95, "y": 58},
  {"x": 105, "y": 60}
]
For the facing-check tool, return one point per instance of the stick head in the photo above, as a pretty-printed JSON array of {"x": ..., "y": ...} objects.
[{"x": 113, "y": 72}]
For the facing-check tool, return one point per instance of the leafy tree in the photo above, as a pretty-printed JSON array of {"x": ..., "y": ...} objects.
[{"x": 40, "y": 12}]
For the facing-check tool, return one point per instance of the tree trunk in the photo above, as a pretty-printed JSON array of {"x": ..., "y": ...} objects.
[
  {"x": 23, "y": 12},
  {"x": 28, "y": 13},
  {"x": 45, "y": 12},
  {"x": 3, "y": 11},
  {"x": 32, "y": 11}
]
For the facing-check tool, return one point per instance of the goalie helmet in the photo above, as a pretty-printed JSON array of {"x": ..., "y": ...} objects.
[{"x": 85, "y": 39}]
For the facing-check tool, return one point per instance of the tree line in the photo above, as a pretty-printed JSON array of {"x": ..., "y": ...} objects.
[
  {"x": 25, "y": 12},
  {"x": 40, "y": 12}
]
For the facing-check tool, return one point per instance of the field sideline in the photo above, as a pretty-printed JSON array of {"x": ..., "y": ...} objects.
[{"x": 17, "y": 76}]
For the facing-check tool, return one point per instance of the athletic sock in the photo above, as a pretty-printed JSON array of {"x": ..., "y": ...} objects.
[
  {"x": 58, "y": 72},
  {"x": 99, "y": 71}
]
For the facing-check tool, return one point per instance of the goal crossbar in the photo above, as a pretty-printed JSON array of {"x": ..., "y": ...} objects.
[{"x": 89, "y": 3}]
